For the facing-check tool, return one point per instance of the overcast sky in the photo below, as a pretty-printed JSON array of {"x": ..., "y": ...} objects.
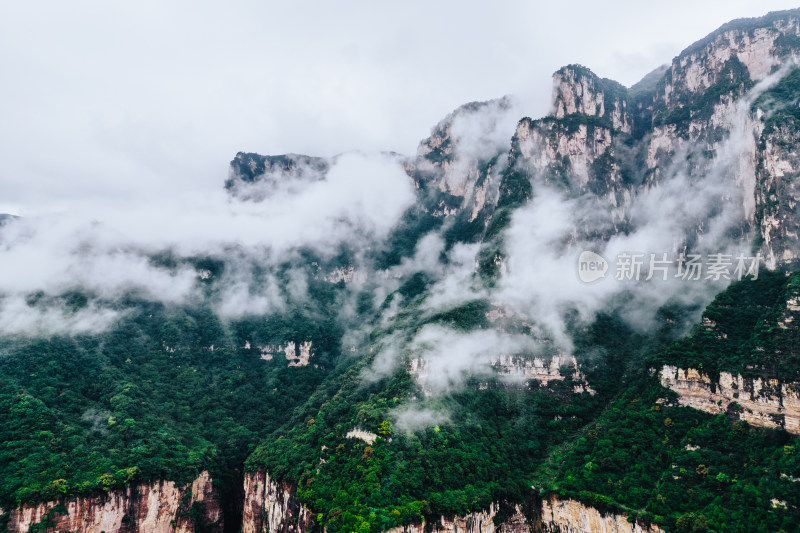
[{"x": 115, "y": 101}]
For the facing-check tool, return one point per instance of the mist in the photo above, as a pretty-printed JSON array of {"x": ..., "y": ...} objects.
[
  {"x": 107, "y": 250},
  {"x": 689, "y": 209}
]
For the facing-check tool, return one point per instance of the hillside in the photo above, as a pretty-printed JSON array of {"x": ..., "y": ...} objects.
[{"x": 421, "y": 352}]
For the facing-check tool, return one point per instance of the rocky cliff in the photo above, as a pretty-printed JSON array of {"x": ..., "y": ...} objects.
[
  {"x": 721, "y": 114},
  {"x": 712, "y": 114},
  {"x": 748, "y": 63},
  {"x": 158, "y": 507},
  {"x": 478, "y": 522},
  {"x": 758, "y": 401},
  {"x": 255, "y": 177},
  {"x": 570, "y": 516},
  {"x": 575, "y": 148},
  {"x": 272, "y": 506},
  {"x": 725, "y": 109}
]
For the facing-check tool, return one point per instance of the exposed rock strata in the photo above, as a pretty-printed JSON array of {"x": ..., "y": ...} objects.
[{"x": 158, "y": 507}]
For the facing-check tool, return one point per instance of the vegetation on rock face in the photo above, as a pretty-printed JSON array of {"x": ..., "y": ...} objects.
[
  {"x": 733, "y": 79},
  {"x": 250, "y": 167},
  {"x": 171, "y": 390},
  {"x": 166, "y": 393},
  {"x": 629, "y": 448},
  {"x": 480, "y": 451},
  {"x": 742, "y": 332},
  {"x": 473, "y": 446},
  {"x": 743, "y": 26},
  {"x": 780, "y": 104},
  {"x": 683, "y": 469},
  {"x": 679, "y": 468}
]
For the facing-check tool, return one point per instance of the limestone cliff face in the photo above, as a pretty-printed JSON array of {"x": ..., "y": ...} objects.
[
  {"x": 702, "y": 118},
  {"x": 574, "y": 156},
  {"x": 758, "y": 401},
  {"x": 272, "y": 507},
  {"x": 479, "y": 522},
  {"x": 158, "y": 507},
  {"x": 694, "y": 96},
  {"x": 457, "y": 169},
  {"x": 758, "y": 44},
  {"x": 570, "y": 516},
  {"x": 705, "y": 99},
  {"x": 255, "y": 177},
  {"x": 778, "y": 194},
  {"x": 556, "y": 516},
  {"x": 577, "y": 90}
]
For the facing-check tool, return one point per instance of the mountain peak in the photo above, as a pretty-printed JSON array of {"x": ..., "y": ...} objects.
[{"x": 578, "y": 90}]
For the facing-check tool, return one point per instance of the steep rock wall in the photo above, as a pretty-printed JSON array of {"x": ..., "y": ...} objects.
[
  {"x": 577, "y": 90},
  {"x": 778, "y": 194},
  {"x": 574, "y": 157},
  {"x": 570, "y": 516},
  {"x": 758, "y": 49},
  {"x": 158, "y": 507},
  {"x": 479, "y": 522},
  {"x": 458, "y": 165},
  {"x": 272, "y": 507},
  {"x": 763, "y": 402}
]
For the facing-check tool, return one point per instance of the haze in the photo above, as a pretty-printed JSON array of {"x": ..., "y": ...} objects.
[{"x": 118, "y": 103}]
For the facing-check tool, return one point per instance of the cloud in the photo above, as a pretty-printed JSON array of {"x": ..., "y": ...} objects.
[
  {"x": 705, "y": 207},
  {"x": 18, "y": 317},
  {"x": 413, "y": 417},
  {"x": 446, "y": 357},
  {"x": 168, "y": 112},
  {"x": 107, "y": 249}
]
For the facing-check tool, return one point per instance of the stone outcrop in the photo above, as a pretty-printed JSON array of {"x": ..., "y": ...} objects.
[
  {"x": 576, "y": 150},
  {"x": 457, "y": 169},
  {"x": 478, "y": 522},
  {"x": 778, "y": 193},
  {"x": 695, "y": 109},
  {"x": 758, "y": 401},
  {"x": 577, "y": 90},
  {"x": 758, "y": 44},
  {"x": 255, "y": 177},
  {"x": 362, "y": 434},
  {"x": 158, "y": 507},
  {"x": 557, "y": 516},
  {"x": 575, "y": 157},
  {"x": 696, "y": 119},
  {"x": 570, "y": 516},
  {"x": 297, "y": 354},
  {"x": 272, "y": 506}
]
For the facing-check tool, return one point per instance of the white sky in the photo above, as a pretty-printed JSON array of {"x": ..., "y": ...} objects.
[{"x": 120, "y": 101}]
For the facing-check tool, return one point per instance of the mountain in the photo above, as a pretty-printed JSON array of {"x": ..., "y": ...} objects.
[
  {"x": 450, "y": 370},
  {"x": 4, "y": 218}
]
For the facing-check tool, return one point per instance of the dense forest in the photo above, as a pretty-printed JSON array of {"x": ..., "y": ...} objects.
[
  {"x": 630, "y": 447},
  {"x": 165, "y": 393}
]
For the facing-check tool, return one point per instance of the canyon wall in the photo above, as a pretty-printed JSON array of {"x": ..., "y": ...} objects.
[
  {"x": 158, "y": 507},
  {"x": 272, "y": 507},
  {"x": 570, "y": 516},
  {"x": 759, "y": 402}
]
